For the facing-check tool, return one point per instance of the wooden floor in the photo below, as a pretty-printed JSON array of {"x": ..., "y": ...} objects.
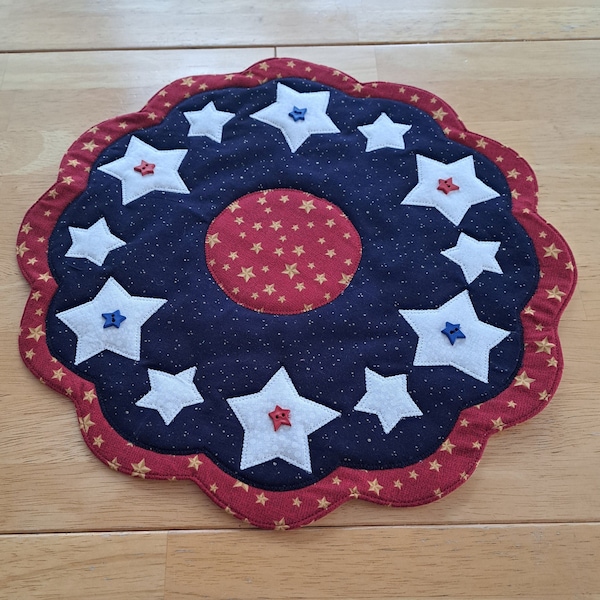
[{"x": 527, "y": 525}]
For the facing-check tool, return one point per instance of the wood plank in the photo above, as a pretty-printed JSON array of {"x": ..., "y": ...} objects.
[
  {"x": 175, "y": 24},
  {"x": 496, "y": 563},
  {"x": 71, "y": 567},
  {"x": 40, "y": 25},
  {"x": 386, "y": 21},
  {"x": 126, "y": 71},
  {"x": 467, "y": 563}
]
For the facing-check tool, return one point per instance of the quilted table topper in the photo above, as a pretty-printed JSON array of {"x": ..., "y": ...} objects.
[{"x": 295, "y": 290}]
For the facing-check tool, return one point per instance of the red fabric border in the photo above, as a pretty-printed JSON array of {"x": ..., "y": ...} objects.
[{"x": 428, "y": 480}]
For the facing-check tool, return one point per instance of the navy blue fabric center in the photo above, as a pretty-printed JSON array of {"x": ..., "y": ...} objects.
[{"x": 324, "y": 351}]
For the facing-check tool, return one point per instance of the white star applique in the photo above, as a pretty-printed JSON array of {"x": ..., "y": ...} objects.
[
  {"x": 208, "y": 122},
  {"x": 470, "y": 353},
  {"x": 452, "y": 188},
  {"x": 170, "y": 394},
  {"x": 144, "y": 169},
  {"x": 384, "y": 133},
  {"x": 388, "y": 398},
  {"x": 93, "y": 243},
  {"x": 474, "y": 257},
  {"x": 298, "y": 115},
  {"x": 264, "y": 439},
  {"x": 94, "y": 334}
]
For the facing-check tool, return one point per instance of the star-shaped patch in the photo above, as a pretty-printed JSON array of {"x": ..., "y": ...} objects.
[
  {"x": 312, "y": 105},
  {"x": 87, "y": 322},
  {"x": 473, "y": 256},
  {"x": 262, "y": 441},
  {"x": 472, "y": 354},
  {"x": 134, "y": 184},
  {"x": 452, "y": 203},
  {"x": 170, "y": 394},
  {"x": 384, "y": 133},
  {"x": 208, "y": 122},
  {"x": 388, "y": 398},
  {"x": 93, "y": 243}
]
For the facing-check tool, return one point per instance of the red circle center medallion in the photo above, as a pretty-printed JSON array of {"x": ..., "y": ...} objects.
[{"x": 282, "y": 251}]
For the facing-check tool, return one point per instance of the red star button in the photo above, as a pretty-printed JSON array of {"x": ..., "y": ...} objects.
[
  {"x": 280, "y": 416},
  {"x": 145, "y": 168},
  {"x": 447, "y": 186}
]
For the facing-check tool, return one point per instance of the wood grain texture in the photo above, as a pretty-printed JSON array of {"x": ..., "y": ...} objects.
[
  {"x": 464, "y": 563},
  {"x": 41, "y": 25},
  {"x": 524, "y": 526},
  {"x": 70, "y": 567},
  {"x": 535, "y": 562}
]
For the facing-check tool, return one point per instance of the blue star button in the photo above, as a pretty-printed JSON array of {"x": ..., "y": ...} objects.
[
  {"x": 113, "y": 319},
  {"x": 453, "y": 332},
  {"x": 298, "y": 114}
]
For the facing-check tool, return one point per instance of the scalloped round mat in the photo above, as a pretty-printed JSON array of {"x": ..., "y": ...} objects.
[{"x": 294, "y": 289}]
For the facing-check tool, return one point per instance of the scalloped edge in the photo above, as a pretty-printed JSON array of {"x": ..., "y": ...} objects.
[{"x": 426, "y": 481}]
